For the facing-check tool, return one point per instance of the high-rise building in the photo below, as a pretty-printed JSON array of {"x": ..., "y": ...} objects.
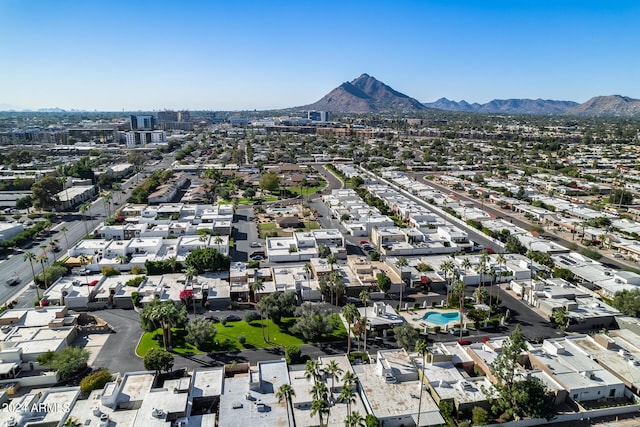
[
  {"x": 174, "y": 120},
  {"x": 318, "y": 116},
  {"x": 143, "y": 122}
]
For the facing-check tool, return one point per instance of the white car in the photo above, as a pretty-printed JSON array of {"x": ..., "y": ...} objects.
[
  {"x": 255, "y": 245},
  {"x": 13, "y": 280}
]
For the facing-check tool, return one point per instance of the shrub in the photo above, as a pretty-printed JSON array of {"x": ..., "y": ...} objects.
[
  {"x": 293, "y": 355},
  {"x": 242, "y": 339},
  {"x": 95, "y": 381},
  {"x": 250, "y": 316},
  {"x": 110, "y": 271},
  {"x": 136, "y": 269},
  {"x": 479, "y": 416},
  {"x": 135, "y": 281},
  {"x": 223, "y": 322}
]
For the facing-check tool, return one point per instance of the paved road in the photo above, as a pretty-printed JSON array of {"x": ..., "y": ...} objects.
[
  {"x": 78, "y": 226},
  {"x": 118, "y": 353}
]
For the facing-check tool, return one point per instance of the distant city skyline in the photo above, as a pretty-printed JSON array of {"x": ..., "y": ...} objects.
[{"x": 200, "y": 55}]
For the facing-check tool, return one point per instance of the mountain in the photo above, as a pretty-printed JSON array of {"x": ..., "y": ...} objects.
[
  {"x": 365, "y": 94},
  {"x": 506, "y": 106},
  {"x": 613, "y": 105}
]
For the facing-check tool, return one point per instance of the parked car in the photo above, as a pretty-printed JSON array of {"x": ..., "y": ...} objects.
[
  {"x": 214, "y": 319},
  {"x": 456, "y": 331},
  {"x": 232, "y": 318},
  {"x": 255, "y": 244},
  {"x": 256, "y": 258}
]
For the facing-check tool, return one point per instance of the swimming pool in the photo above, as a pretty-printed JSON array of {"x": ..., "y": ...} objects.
[
  {"x": 281, "y": 210},
  {"x": 438, "y": 318}
]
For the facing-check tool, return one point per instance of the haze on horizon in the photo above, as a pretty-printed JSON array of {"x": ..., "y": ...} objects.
[{"x": 117, "y": 55}]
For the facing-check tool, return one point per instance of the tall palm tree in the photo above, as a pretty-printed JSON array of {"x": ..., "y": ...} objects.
[
  {"x": 189, "y": 275},
  {"x": 319, "y": 407},
  {"x": 502, "y": 261},
  {"x": 458, "y": 289},
  {"x": 348, "y": 396},
  {"x": 166, "y": 314},
  {"x": 421, "y": 348},
  {"x": 286, "y": 392},
  {"x": 492, "y": 274},
  {"x": 84, "y": 208},
  {"x": 42, "y": 258},
  {"x": 364, "y": 297},
  {"x": 107, "y": 197},
  {"x": 84, "y": 261},
  {"x": 307, "y": 273},
  {"x": 350, "y": 314},
  {"x": 355, "y": 420},
  {"x": 331, "y": 259},
  {"x": 334, "y": 370},
  {"x": 64, "y": 231},
  {"x": 30, "y": 256},
  {"x": 312, "y": 370},
  {"x": 466, "y": 265},
  {"x": 173, "y": 263},
  {"x": 447, "y": 268},
  {"x": 401, "y": 262}
]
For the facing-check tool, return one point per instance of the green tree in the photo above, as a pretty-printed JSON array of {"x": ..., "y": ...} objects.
[
  {"x": 314, "y": 320},
  {"x": 72, "y": 422},
  {"x": 516, "y": 397},
  {"x": 480, "y": 416},
  {"x": 350, "y": 314},
  {"x": 45, "y": 193},
  {"x": 406, "y": 336},
  {"x": 269, "y": 182},
  {"x": 66, "y": 362},
  {"x": 158, "y": 360},
  {"x": 560, "y": 317},
  {"x": 628, "y": 302},
  {"x": 513, "y": 246},
  {"x": 200, "y": 332},
  {"x": 384, "y": 282},
  {"x": 207, "y": 259}
]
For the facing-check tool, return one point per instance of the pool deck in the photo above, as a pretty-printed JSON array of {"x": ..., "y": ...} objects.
[{"x": 414, "y": 318}]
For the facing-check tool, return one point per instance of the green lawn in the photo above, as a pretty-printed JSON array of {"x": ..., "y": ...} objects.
[
  {"x": 305, "y": 191},
  {"x": 227, "y": 337}
]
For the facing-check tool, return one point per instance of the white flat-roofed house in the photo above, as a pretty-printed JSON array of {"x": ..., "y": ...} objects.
[
  {"x": 249, "y": 399},
  {"x": 390, "y": 389},
  {"x": 582, "y": 377}
]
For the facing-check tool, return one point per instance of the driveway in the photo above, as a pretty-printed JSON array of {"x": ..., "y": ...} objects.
[{"x": 118, "y": 352}]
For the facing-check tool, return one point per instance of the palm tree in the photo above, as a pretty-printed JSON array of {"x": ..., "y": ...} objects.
[
  {"x": 334, "y": 370},
  {"x": 350, "y": 314},
  {"x": 286, "y": 392},
  {"x": 401, "y": 262},
  {"x": 348, "y": 396},
  {"x": 312, "y": 370},
  {"x": 30, "y": 256},
  {"x": 120, "y": 259},
  {"x": 173, "y": 263},
  {"x": 331, "y": 259},
  {"x": 256, "y": 287},
  {"x": 364, "y": 297},
  {"x": 106, "y": 199},
  {"x": 421, "y": 348},
  {"x": 189, "y": 275},
  {"x": 502, "y": 261},
  {"x": 166, "y": 314},
  {"x": 355, "y": 420},
  {"x": 42, "y": 258},
  {"x": 447, "y": 267},
  {"x": 319, "y": 407},
  {"x": 72, "y": 422},
  {"x": 84, "y": 261},
  {"x": 307, "y": 272},
  {"x": 466, "y": 265},
  {"x": 492, "y": 274},
  {"x": 458, "y": 289},
  {"x": 84, "y": 208},
  {"x": 64, "y": 231}
]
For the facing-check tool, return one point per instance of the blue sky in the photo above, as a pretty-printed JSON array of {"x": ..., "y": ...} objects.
[{"x": 228, "y": 55}]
